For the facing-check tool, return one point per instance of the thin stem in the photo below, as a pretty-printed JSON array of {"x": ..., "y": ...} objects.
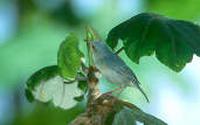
[
  {"x": 78, "y": 78},
  {"x": 89, "y": 53},
  {"x": 118, "y": 51},
  {"x": 84, "y": 68}
]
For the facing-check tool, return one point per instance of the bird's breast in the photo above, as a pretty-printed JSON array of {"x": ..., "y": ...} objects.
[{"x": 109, "y": 72}]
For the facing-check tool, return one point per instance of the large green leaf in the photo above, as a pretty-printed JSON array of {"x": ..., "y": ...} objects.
[
  {"x": 69, "y": 57},
  {"x": 46, "y": 85},
  {"x": 173, "y": 41},
  {"x": 128, "y": 116},
  {"x": 124, "y": 117},
  {"x": 125, "y": 113}
]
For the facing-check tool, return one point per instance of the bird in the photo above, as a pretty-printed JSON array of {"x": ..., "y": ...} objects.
[{"x": 112, "y": 67}]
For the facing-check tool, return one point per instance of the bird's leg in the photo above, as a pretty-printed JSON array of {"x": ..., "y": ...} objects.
[
  {"x": 119, "y": 50},
  {"x": 120, "y": 89}
]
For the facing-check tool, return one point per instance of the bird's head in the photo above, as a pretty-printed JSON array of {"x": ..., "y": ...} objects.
[{"x": 100, "y": 49}]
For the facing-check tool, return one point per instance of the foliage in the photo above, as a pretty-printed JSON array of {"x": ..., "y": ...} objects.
[
  {"x": 128, "y": 116},
  {"x": 46, "y": 85},
  {"x": 125, "y": 113},
  {"x": 69, "y": 57},
  {"x": 173, "y": 41}
]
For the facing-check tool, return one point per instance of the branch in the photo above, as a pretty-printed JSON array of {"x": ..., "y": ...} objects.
[{"x": 100, "y": 107}]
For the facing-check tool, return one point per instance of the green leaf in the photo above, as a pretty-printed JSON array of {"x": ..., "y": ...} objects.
[
  {"x": 83, "y": 85},
  {"x": 43, "y": 74},
  {"x": 46, "y": 85},
  {"x": 124, "y": 117},
  {"x": 69, "y": 57},
  {"x": 79, "y": 98},
  {"x": 29, "y": 95},
  {"x": 173, "y": 41},
  {"x": 125, "y": 113},
  {"x": 128, "y": 116}
]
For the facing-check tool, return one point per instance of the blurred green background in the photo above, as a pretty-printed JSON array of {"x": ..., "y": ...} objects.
[{"x": 30, "y": 34}]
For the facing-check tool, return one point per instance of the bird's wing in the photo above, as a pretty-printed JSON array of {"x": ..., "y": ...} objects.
[{"x": 121, "y": 67}]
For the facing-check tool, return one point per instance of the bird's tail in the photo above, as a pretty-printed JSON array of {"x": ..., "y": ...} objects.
[{"x": 142, "y": 91}]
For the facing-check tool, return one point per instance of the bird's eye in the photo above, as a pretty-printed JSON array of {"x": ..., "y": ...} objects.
[{"x": 93, "y": 47}]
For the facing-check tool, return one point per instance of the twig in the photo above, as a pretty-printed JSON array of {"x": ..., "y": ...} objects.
[{"x": 118, "y": 51}]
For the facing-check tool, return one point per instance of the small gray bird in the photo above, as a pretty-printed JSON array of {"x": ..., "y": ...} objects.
[{"x": 112, "y": 67}]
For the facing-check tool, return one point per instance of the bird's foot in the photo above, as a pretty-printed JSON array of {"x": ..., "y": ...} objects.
[{"x": 118, "y": 90}]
